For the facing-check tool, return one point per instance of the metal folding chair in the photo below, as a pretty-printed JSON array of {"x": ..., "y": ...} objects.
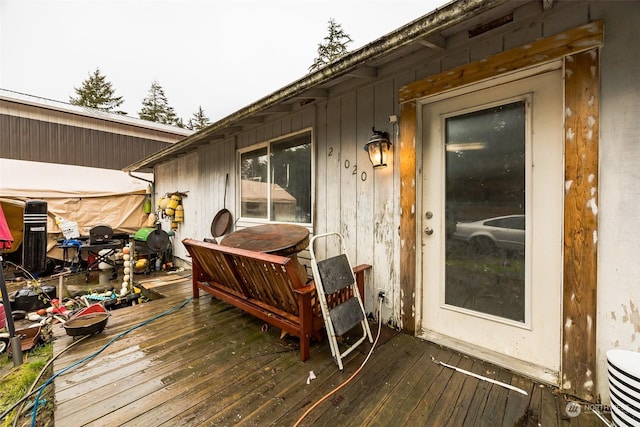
[{"x": 340, "y": 300}]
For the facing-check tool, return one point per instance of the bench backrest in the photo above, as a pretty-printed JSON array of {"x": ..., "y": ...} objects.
[{"x": 270, "y": 279}]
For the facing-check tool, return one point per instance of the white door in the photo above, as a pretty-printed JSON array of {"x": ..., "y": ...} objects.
[{"x": 491, "y": 227}]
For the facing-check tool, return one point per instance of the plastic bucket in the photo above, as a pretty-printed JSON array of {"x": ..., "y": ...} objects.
[
  {"x": 623, "y": 368},
  {"x": 104, "y": 265}
]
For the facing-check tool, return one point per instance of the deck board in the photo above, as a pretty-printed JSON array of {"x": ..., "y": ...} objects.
[{"x": 208, "y": 363}]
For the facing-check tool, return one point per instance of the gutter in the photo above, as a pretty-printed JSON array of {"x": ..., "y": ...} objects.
[{"x": 450, "y": 14}]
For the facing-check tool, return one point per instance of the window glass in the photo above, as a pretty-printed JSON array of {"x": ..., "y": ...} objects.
[
  {"x": 276, "y": 181},
  {"x": 485, "y": 204},
  {"x": 253, "y": 192},
  {"x": 291, "y": 180}
]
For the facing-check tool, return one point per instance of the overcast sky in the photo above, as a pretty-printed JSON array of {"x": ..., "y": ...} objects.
[{"x": 221, "y": 55}]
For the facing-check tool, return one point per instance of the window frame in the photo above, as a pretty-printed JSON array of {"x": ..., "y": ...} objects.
[{"x": 268, "y": 144}]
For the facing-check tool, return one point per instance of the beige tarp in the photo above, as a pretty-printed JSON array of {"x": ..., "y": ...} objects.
[{"x": 87, "y": 196}]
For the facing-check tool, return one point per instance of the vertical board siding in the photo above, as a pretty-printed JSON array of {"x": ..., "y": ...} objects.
[
  {"x": 348, "y": 164},
  {"x": 181, "y": 175},
  {"x": 582, "y": 117},
  {"x": 385, "y": 229},
  {"x": 333, "y": 198},
  {"x": 40, "y": 141},
  {"x": 364, "y": 179},
  {"x": 320, "y": 179}
]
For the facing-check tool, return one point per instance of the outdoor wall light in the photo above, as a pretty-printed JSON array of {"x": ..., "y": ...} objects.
[{"x": 378, "y": 148}]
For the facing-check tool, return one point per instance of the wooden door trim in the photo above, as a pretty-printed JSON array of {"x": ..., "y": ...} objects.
[{"x": 579, "y": 50}]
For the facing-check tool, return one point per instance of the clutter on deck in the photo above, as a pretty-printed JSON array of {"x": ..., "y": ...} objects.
[{"x": 94, "y": 277}]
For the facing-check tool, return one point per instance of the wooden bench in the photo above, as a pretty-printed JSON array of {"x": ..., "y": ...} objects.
[{"x": 265, "y": 286}]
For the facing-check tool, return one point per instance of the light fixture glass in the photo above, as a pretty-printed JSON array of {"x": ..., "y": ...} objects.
[{"x": 378, "y": 148}]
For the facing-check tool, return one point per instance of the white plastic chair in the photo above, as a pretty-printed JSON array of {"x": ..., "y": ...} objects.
[{"x": 332, "y": 275}]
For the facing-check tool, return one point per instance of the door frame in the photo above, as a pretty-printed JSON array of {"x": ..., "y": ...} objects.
[
  {"x": 579, "y": 50},
  {"x": 546, "y": 374}
]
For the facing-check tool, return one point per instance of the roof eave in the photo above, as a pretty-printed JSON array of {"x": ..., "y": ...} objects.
[{"x": 450, "y": 14}]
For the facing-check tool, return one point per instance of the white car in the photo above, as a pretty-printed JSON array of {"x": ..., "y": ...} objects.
[{"x": 505, "y": 232}]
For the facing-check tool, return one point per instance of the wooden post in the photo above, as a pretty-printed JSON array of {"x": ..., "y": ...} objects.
[
  {"x": 407, "y": 153},
  {"x": 582, "y": 83}
]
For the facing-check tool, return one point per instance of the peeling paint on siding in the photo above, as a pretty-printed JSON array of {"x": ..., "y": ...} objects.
[{"x": 633, "y": 316}]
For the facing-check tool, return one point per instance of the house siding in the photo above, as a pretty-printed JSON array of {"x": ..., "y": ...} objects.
[
  {"x": 39, "y": 134},
  {"x": 369, "y": 211},
  {"x": 618, "y": 316}
]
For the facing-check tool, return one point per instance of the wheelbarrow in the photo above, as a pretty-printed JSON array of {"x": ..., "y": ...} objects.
[{"x": 29, "y": 338}]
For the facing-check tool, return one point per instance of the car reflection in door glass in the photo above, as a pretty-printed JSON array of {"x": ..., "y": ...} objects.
[{"x": 486, "y": 235}]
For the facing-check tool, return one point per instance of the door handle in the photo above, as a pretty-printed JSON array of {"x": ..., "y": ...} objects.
[{"x": 428, "y": 231}]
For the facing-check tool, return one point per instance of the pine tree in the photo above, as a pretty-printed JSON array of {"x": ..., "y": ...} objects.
[
  {"x": 199, "y": 120},
  {"x": 96, "y": 92},
  {"x": 335, "y": 46},
  {"x": 155, "y": 108}
]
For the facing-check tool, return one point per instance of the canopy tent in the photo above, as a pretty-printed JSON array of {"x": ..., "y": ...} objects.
[{"x": 87, "y": 196}]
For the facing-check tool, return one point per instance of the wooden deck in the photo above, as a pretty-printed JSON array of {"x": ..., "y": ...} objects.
[{"x": 207, "y": 363}]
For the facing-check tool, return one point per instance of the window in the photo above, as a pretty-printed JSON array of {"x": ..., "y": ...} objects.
[{"x": 276, "y": 180}]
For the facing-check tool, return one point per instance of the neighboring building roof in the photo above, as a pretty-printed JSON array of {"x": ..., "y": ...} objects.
[
  {"x": 424, "y": 32},
  {"x": 35, "y": 101}
]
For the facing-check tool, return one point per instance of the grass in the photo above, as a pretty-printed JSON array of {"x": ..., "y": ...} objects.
[{"x": 16, "y": 382}]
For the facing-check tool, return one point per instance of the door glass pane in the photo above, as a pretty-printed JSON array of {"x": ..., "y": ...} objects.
[
  {"x": 253, "y": 193},
  {"x": 485, "y": 211}
]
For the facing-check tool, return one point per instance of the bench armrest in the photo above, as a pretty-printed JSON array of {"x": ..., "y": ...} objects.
[{"x": 308, "y": 289}]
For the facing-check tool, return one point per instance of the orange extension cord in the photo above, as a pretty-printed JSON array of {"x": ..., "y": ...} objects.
[{"x": 315, "y": 405}]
